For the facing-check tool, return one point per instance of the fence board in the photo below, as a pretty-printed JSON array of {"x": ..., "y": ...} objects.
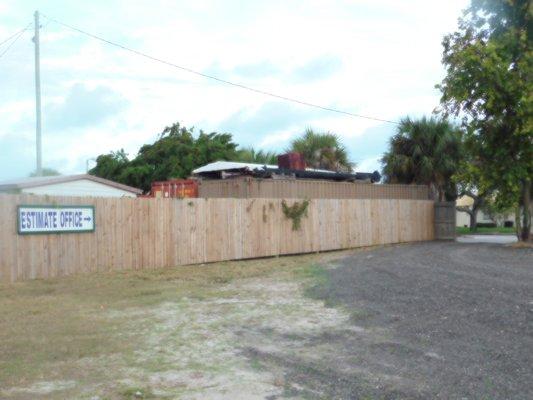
[{"x": 158, "y": 233}]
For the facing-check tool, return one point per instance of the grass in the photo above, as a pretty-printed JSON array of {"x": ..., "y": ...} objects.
[
  {"x": 46, "y": 327},
  {"x": 462, "y": 230}
]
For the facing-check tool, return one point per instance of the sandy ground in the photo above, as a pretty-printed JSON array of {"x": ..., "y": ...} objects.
[{"x": 203, "y": 344}]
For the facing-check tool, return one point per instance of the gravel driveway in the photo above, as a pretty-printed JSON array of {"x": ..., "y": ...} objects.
[{"x": 431, "y": 320}]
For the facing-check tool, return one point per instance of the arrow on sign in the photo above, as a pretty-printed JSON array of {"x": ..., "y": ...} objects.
[{"x": 87, "y": 218}]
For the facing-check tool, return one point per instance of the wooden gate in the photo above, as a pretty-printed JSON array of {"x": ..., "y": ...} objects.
[{"x": 445, "y": 215}]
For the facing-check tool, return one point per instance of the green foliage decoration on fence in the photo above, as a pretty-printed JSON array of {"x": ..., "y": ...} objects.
[{"x": 295, "y": 212}]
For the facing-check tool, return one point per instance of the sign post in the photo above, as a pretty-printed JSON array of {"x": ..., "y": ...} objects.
[{"x": 44, "y": 219}]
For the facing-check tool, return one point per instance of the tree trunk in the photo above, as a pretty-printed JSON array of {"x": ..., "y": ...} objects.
[
  {"x": 525, "y": 232},
  {"x": 478, "y": 201},
  {"x": 473, "y": 220},
  {"x": 472, "y": 212},
  {"x": 517, "y": 222}
]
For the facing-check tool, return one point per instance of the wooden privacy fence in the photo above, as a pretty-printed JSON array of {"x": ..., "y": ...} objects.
[
  {"x": 135, "y": 233},
  {"x": 307, "y": 189}
]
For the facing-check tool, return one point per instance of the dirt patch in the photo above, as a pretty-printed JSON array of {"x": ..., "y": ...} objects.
[
  {"x": 522, "y": 245},
  {"x": 199, "y": 348},
  {"x": 40, "y": 388}
]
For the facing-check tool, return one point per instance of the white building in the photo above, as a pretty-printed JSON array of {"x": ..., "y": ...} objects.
[
  {"x": 69, "y": 185},
  {"x": 463, "y": 218}
]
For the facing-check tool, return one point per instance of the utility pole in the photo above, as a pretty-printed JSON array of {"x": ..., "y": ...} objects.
[
  {"x": 39, "y": 169},
  {"x": 87, "y": 163}
]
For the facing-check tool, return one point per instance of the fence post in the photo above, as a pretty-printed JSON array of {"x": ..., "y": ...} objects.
[{"x": 445, "y": 215}]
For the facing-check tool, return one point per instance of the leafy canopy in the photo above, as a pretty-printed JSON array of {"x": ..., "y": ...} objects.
[
  {"x": 488, "y": 65},
  {"x": 425, "y": 151},
  {"x": 174, "y": 154},
  {"x": 322, "y": 151}
]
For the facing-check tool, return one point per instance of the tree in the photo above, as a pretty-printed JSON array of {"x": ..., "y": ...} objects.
[
  {"x": 479, "y": 201},
  {"x": 489, "y": 66},
  {"x": 249, "y": 154},
  {"x": 174, "y": 154},
  {"x": 322, "y": 151},
  {"x": 46, "y": 172},
  {"x": 111, "y": 166},
  {"x": 495, "y": 212},
  {"x": 425, "y": 151},
  {"x": 469, "y": 183}
]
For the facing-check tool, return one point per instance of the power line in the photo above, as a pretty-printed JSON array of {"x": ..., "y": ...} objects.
[
  {"x": 17, "y": 36},
  {"x": 239, "y": 85}
]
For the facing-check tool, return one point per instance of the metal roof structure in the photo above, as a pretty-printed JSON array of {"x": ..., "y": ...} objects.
[
  {"x": 229, "y": 165},
  {"x": 224, "y": 169},
  {"x": 235, "y": 166}
]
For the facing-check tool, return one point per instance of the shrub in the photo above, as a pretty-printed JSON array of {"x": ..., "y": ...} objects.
[{"x": 486, "y": 225}]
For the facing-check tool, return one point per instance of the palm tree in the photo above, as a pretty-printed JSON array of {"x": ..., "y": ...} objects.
[
  {"x": 425, "y": 151},
  {"x": 251, "y": 155},
  {"x": 322, "y": 151}
]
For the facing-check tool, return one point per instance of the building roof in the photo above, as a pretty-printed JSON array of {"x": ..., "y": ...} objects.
[{"x": 26, "y": 183}]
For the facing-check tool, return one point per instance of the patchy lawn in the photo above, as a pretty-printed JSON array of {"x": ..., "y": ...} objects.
[{"x": 184, "y": 333}]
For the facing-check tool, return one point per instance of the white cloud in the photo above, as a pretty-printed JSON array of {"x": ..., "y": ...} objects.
[
  {"x": 369, "y": 165},
  {"x": 386, "y": 57}
]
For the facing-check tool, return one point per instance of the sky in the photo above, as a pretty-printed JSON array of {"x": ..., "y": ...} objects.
[{"x": 379, "y": 58}]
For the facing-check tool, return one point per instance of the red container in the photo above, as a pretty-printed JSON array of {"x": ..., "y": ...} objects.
[
  {"x": 291, "y": 161},
  {"x": 175, "y": 188}
]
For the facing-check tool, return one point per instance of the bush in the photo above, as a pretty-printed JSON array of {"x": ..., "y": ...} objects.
[
  {"x": 486, "y": 225},
  {"x": 508, "y": 224}
]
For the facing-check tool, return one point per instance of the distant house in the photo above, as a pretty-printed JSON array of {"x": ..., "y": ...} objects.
[
  {"x": 69, "y": 185},
  {"x": 463, "y": 219}
]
